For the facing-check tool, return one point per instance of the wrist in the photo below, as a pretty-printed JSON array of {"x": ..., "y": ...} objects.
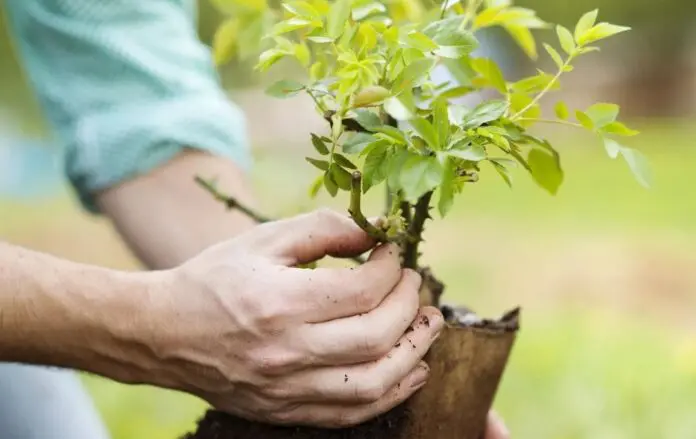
[{"x": 60, "y": 313}]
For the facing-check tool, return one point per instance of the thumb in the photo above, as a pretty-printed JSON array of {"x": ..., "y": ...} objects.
[{"x": 309, "y": 237}]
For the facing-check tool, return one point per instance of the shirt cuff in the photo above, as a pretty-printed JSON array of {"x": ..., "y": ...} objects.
[{"x": 118, "y": 144}]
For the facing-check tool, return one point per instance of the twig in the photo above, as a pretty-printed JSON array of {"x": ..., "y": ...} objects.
[
  {"x": 415, "y": 231},
  {"x": 355, "y": 210},
  {"x": 230, "y": 202}
]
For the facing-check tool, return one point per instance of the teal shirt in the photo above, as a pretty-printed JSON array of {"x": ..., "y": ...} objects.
[{"x": 125, "y": 84}]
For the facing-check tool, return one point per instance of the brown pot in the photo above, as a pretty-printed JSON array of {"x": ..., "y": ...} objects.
[{"x": 466, "y": 362}]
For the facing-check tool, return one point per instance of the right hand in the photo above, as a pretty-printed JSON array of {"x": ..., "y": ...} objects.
[{"x": 244, "y": 329}]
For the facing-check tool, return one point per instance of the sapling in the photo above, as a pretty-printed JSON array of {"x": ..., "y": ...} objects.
[{"x": 391, "y": 126}]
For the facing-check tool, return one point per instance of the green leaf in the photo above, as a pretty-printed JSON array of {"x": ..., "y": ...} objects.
[
  {"x": 426, "y": 131},
  {"x": 301, "y": 9},
  {"x": 284, "y": 89},
  {"x": 362, "y": 11},
  {"x": 341, "y": 177},
  {"x": 413, "y": 73},
  {"x": 225, "y": 41},
  {"x": 375, "y": 167},
  {"x": 619, "y": 129},
  {"x": 561, "y": 110},
  {"x": 502, "y": 170},
  {"x": 368, "y": 119},
  {"x": 337, "y": 18},
  {"x": 566, "y": 39},
  {"x": 484, "y": 113},
  {"x": 370, "y": 95},
  {"x": 420, "y": 41},
  {"x": 602, "y": 114},
  {"x": 441, "y": 122},
  {"x": 357, "y": 142},
  {"x": 393, "y": 134},
  {"x": 524, "y": 38},
  {"x": 584, "y": 24},
  {"x": 316, "y": 186},
  {"x": 613, "y": 148},
  {"x": 639, "y": 166},
  {"x": 322, "y": 165},
  {"x": 546, "y": 169},
  {"x": 269, "y": 57},
  {"x": 491, "y": 72},
  {"x": 601, "y": 31},
  {"x": 395, "y": 168},
  {"x": 419, "y": 175},
  {"x": 401, "y": 107},
  {"x": 584, "y": 120},
  {"x": 446, "y": 193},
  {"x": 291, "y": 25},
  {"x": 536, "y": 84},
  {"x": 456, "y": 92},
  {"x": 455, "y": 44},
  {"x": 554, "y": 55},
  {"x": 319, "y": 145},
  {"x": 467, "y": 151},
  {"x": 343, "y": 161},
  {"x": 330, "y": 184}
]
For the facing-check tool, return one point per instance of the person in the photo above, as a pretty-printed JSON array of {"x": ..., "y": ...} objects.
[{"x": 222, "y": 312}]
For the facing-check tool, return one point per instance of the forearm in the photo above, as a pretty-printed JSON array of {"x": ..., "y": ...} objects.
[
  {"x": 166, "y": 218},
  {"x": 59, "y": 313}
]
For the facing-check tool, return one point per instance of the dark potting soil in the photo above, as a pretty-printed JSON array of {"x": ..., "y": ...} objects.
[{"x": 217, "y": 425}]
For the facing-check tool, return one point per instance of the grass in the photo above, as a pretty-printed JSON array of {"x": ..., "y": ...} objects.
[{"x": 604, "y": 273}]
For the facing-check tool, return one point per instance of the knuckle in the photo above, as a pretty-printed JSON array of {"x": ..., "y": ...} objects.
[
  {"x": 365, "y": 300},
  {"x": 370, "y": 391},
  {"x": 375, "y": 345},
  {"x": 278, "y": 391},
  {"x": 266, "y": 363}
]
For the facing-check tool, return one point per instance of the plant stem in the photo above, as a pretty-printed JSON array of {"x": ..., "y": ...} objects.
[
  {"x": 558, "y": 122},
  {"x": 415, "y": 231},
  {"x": 230, "y": 202},
  {"x": 355, "y": 210},
  {"x": 545, "y": 90}
]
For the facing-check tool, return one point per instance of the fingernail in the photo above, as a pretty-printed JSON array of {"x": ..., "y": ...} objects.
[
  {"x": 437, "y": 323},
  {"x": 420, "y": 375}
]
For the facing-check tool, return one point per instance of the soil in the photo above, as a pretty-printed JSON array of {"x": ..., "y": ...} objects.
[{"x": 217, "y": 425}]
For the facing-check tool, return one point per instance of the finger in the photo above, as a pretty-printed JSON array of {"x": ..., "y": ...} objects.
[
  {"x": 344, "y": 416},
  {"x": 309, "y": 237},
  {"x": 367, "y": 382},
  {"x": 495, "y": 428},
  {"x": 365, "y": 337},
  {"x": 333, "y": 293}
]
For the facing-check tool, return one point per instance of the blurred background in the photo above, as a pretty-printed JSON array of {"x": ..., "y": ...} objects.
[{"x": 605, "y": 271}]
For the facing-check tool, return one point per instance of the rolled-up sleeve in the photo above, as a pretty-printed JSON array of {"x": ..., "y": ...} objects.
[{"x": 126, "y": 85}]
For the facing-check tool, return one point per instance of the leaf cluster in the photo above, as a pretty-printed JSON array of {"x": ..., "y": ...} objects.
[{"x": 370, "y": 71}]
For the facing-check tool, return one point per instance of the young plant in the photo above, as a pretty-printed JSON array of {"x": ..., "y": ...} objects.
[{"x": 369, "y": 68}]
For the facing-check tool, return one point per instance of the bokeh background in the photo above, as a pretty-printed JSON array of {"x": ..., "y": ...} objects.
[{"x": 605, "y": 271}]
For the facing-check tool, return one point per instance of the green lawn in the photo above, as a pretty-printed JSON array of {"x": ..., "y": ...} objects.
[{"x": 607, "y": 349}]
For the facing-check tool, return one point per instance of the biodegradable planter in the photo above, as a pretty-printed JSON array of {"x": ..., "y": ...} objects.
[{"x": 467, "y": 362}]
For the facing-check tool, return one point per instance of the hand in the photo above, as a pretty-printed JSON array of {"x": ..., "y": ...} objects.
[
  {"x": 495, "y": 428},
  {"x": 244, "y": 329}
]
